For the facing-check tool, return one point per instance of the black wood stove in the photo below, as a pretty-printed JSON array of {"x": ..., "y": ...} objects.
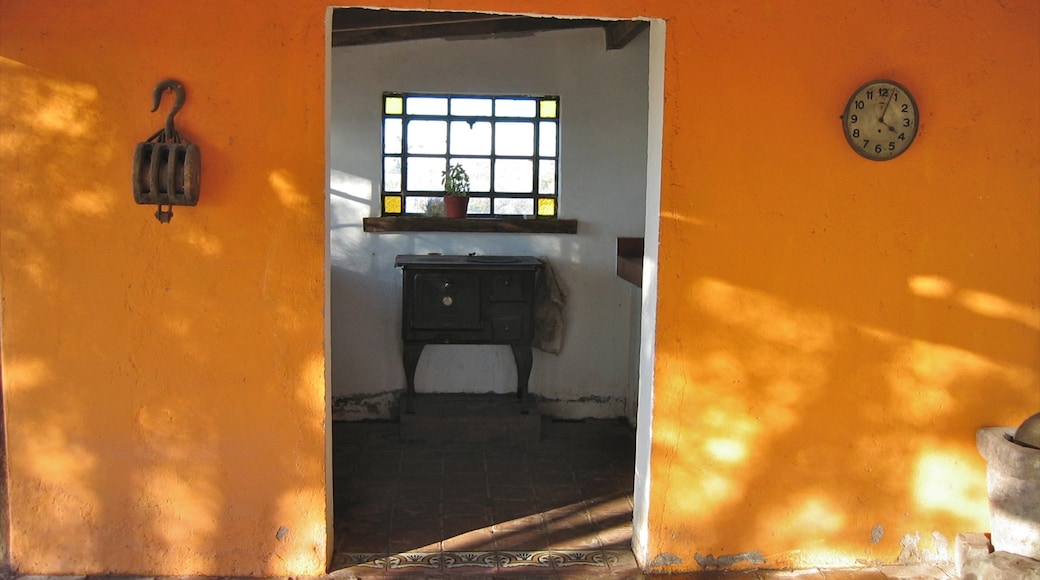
[{"x": 468, "y": 300}]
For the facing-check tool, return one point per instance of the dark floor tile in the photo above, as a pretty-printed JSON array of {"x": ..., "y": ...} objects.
[
  {"x": 554, "y": 494},
  {"x": 466, "y": 506},
  {"x": 509, "y": 492},
  {"x": 464, "y": 483},
  {"x": 508, "y": 509},
  {"x": 415, "y": 542},
  {"x": 468, "y": 538}
]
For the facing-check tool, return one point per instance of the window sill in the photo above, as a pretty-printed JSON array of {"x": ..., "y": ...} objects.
[{"x": 389, "y": 225}]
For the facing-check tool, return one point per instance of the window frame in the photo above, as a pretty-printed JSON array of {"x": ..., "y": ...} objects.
[{"x": 396, "y": 202}]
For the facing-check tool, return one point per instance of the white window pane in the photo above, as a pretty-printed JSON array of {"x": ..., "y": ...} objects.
[
  {"x": 392, "y": 174},
  {"x": 479, "y": 205},
  {"x": 471, "y": 107},
  {"x": 430, "y": 137},
  {"x": 514, "y": 175},
  {"x": 515, "y": 107},
  {"x": 547, "y": 139},
  {"x": 470, "y": 139},
  {"x": 392, "y": 136},
  {"x": 427, "y": 105},
  {"x": 433, "y": 206},
  {"x": 479, "y": 172},
  {"x": 514, "y": 138},
  {"x": 510, "y": 206},
  {"x": 424, "y": 174},
  {"x": 546, "y": 176}
]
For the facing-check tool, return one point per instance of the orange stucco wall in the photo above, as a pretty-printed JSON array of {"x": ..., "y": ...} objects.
[
  {"x": 831, "y": 331},
  {"x": 164, "y": 384}
]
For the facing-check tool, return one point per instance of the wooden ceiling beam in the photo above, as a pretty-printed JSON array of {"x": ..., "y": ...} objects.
[{"x": 358, "y": 26}]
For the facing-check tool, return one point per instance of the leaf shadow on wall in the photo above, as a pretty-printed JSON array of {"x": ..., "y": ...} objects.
[
  {"x": 818, "y": 389},
  {"x": 164, "y": 384}
]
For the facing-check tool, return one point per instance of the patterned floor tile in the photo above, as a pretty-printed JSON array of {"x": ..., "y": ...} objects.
[
  {"x": 474, "y": 560},
  {"x": 360, "y": 560},
  {"x": 534, "y": 559},
  {"x": 589, "y": 558},
  {"x": 423, "y": 560}
]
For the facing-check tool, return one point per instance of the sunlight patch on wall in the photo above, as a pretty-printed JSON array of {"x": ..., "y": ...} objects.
[
  {"x": 88, "y": 202},
  {"x": 301, "y": 535},
  {"x": 310, "y": 393},
  {"x": 765, "y": 316},
  {"x": 205, "y": 243},
  {"x": 59, "y": 107},
  {"x": 946, "y": 481},
  {"x": 726, "y": 450},
  {"x": 978, "y": 301},
  {"x": 993, "y": 306},
  {"x": 804, "y": 519},
  {"x": 185, "y": 513},
  {"x": 284, "y": 186},
  {"x": 926, "y": 377},
  {"x": 930, "y": 286},
  {"x": 59, "y": 460},
  {"x": 23, "y": 373}
]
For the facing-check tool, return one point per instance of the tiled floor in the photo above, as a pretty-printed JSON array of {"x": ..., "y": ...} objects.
[{"x": 559, "y": 507}]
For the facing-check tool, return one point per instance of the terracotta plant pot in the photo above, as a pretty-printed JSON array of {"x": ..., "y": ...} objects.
[{"x": 455, "y": 206}]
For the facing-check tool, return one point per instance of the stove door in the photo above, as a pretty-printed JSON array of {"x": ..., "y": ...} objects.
[{"x": 446, "y": 301}]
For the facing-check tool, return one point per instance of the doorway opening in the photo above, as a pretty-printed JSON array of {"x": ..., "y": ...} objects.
[{"x": 377, "y": 478}]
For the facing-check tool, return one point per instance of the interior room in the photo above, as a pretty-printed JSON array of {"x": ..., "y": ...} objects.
[{"x": 589, "y": 384}]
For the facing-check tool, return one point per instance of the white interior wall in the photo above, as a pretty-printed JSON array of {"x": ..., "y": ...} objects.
[{"x": 603, "y": 182}]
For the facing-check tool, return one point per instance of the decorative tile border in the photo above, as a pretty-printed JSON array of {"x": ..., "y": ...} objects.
[
  {"x": 534, "y": 558},
  {"x": 443, "y": 562},
  {"x": 426, "y": 560},
  {"x": 454, "y": 560},
  {"x": 591, "y": 558},
  {"x": 360, "y": 560}
]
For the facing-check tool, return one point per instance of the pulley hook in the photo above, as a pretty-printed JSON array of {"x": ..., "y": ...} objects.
[{"x": 178, "y": 90}]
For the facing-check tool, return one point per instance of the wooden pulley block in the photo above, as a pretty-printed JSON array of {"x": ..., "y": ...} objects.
[
  {"x": 167, "y": 168},
  {"x": 167, "y": 173}
]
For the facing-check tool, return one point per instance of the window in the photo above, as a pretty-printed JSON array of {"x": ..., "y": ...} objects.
[{"x": 508, "y": 145}]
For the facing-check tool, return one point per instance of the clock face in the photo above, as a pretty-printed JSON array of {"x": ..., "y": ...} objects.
[{"x": 880, "y": 120}]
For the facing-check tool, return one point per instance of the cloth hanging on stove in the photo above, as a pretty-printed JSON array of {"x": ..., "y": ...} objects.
[{"x": 549, "y": 301}]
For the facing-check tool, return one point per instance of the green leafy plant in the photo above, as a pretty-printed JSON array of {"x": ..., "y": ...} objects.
[{"x": 455, "y": 180}]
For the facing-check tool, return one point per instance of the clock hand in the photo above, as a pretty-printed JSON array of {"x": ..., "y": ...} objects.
[{"x": 884, "y": 111}]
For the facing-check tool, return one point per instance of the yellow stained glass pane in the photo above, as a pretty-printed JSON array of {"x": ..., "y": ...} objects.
[
  {"x": 546, "y": 206},
  {"x": 547, "y": 109},
  {"x": 392, "y": 204},
  {"x": 394, "y": 105}
]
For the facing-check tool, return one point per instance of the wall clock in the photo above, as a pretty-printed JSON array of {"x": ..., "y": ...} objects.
[{"x": 880, "y": 120}]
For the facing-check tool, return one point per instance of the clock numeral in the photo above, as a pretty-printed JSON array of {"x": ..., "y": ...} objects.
[
  {"x": 902, "y": 136},
  {"x": 905, "y": 108},
  {"x": 855, "y": 133},
  {"x": 891, "y": 145},
  {"x": 870, "y": 95},
  {"x": 860, "y": 105},
  {"x": 906, "y": 122},
  {"x": 877, "y": 148},
  {"x": 854, "y": 119},
  {"x": 865, "y": 143},
  {"x": 883, "y": 92}
]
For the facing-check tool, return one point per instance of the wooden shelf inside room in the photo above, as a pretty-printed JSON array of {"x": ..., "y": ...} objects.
[{"x": 470, "y": 224}]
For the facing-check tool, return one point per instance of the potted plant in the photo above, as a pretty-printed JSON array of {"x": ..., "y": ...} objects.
[{"x": 456, "y": 191}]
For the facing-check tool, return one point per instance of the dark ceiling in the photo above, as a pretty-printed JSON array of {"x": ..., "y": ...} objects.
[{"x": 356, "y": 26}]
